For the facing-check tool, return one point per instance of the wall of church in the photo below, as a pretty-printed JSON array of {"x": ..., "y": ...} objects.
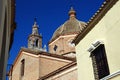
[
  {"x": 63, "y": 44},
  {"x": 48, "y": 65},
  {"x": 35, "y": 66},
  {"x": 31, "y": 68},
  {"x": 108, "y": 31}
]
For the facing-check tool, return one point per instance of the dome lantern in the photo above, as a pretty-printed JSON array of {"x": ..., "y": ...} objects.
[{"x": 72, "y": 13}]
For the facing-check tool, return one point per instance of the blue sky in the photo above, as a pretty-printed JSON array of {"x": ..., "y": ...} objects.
[{"x": 50, "y": 15}]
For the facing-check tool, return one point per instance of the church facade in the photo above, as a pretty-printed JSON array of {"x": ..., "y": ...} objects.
[{"x": 35, "y": 63}]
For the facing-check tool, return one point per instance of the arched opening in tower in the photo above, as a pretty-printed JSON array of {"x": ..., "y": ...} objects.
[{"x": 36, "y": 44}]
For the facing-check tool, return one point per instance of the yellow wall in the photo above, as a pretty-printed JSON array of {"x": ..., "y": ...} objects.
[{"x": 108, "y": 31}]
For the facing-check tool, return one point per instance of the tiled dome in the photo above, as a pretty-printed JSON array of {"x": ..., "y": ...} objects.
[{"x": 71, "y": 26}]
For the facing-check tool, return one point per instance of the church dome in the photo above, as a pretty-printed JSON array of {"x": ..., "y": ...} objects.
[{"x": 71, "y": 26}]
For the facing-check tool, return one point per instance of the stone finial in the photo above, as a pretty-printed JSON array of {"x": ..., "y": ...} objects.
[
  {"x": 35, "y": 27},
  {"x": 35, "y": 22}
]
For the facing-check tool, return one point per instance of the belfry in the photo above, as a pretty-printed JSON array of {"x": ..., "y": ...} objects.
[{"x": 35, "y": 39}]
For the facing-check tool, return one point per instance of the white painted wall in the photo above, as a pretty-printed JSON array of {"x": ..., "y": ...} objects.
[{"x": 108, "y": 31}]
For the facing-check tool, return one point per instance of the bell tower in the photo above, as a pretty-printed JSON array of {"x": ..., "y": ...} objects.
[{"x": 35, "y": 39}]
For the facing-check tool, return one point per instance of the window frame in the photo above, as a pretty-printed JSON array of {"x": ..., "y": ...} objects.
[{"x": 99, "y": 62}]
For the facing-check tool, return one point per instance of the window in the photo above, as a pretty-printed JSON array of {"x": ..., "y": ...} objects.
[
  {"x": 55, "y": 47},
  {"x": 70, "y": 43},
  {"x": 99, "y": 61},
  {"x": 36, "y": 44},
  {"x": 22, "y": 67}
]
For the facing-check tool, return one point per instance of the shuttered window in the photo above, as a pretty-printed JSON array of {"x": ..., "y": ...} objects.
[{"x": 99, "y": 61}]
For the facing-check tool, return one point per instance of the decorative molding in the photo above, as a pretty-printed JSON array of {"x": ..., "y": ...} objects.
[
  {"x": 97, "y": 43},
  {"x": 91, "y": 48},
  {"x": 63, "y": 36},
  {"x": 111, "y": 75},
  {"x": 53, "y": 58},
  {"x": 94, "y": 45}
]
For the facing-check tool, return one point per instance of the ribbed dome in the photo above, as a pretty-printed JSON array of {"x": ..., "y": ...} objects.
[{"x": 70, "y": 26}]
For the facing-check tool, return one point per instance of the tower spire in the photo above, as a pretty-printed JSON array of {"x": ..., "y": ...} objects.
[
  {"x": 35, "y": 27},
  {"x": 34, "y": 39}
]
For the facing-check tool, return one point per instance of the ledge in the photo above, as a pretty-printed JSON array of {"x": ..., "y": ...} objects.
[{"x": 111, "y": 75}]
